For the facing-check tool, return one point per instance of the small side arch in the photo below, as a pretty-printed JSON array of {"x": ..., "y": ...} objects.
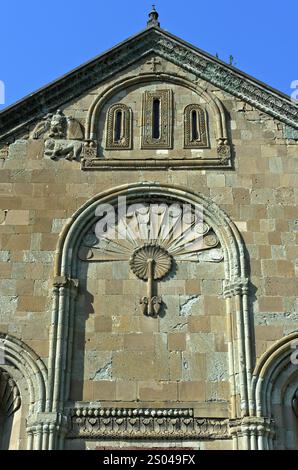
[
  {"x": 275, "y": 388},
  {"x": 15, "y": 353}
]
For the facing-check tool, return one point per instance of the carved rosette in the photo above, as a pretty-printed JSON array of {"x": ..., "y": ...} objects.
[
  {"x": 224, "y": 151},
  {"x": 160, "y": 257}
]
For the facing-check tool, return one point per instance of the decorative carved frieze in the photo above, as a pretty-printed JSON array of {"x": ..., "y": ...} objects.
[
  {"x": 156, "y": 164},
  {"x": 164, "y": 116},
  {"x": 95, "y": 423}
]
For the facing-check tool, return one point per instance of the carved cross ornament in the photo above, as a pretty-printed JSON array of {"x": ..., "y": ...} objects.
[
  {"x": 151, "y": 237},
  {"x": 154, "y": 63}
]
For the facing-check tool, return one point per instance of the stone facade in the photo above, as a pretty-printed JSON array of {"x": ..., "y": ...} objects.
[{"x": 214, "y": 366}]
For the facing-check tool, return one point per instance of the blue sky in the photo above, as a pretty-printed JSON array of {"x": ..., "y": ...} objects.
[{"x": 42, "y": 40}]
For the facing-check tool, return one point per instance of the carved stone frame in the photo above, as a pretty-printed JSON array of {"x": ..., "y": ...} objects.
[
  {"x": 166, "y": 120},
  {"x": 126, "y": 142},
  {"x": 203, "y": 142}
]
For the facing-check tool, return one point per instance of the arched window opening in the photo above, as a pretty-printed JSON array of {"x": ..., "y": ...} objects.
[
  {"x": 195, "y": 127},
  {"x": 156, "y": 119},
  {"x": 119, "y": 127}
]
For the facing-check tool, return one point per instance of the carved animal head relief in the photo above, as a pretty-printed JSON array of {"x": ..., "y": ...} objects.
[{"x": 151, "y": 237}]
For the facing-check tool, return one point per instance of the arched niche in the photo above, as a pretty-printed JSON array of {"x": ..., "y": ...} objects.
[
  {"x": 24, "y": 377},
  {"x": 275, "y": 385},
  {"x": 66, "y": 285},
  {"x": 10, "y": 403},
  {"x": 132, "y": 92}
]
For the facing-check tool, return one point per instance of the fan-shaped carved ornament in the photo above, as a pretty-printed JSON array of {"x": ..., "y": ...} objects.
[{"x": 182, "y": 233}]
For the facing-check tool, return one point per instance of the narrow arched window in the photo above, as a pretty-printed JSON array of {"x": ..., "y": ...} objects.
[
  {"x": 157, "y": 123},
  {"x": 195, "y": 131},
  {"x": 195, "y": 127},
  {"x": 156, "y": 119},
  {"x": 119, "y": 127}
]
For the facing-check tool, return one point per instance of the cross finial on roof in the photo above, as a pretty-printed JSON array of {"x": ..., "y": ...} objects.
[{"x": 153, "y": 18}]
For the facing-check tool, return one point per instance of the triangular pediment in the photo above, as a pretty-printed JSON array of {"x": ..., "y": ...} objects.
[{"x": 156, "y": 41}]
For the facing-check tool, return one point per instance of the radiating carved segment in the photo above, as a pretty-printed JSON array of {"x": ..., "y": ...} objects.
[
  {"x": 149, "y": 236},
  {"x": 184, "y": 237},
  {"x": 10, "y": 400}
]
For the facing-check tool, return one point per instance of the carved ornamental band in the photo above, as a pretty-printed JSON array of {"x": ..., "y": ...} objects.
[{"x": 103, "y": 423}]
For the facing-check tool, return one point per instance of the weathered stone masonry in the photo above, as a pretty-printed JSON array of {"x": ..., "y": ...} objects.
[{"x": 197, "y": 350}]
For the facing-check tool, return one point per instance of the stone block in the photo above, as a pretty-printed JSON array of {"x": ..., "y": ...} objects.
[
  {"x": 175, "y": 365},
  {"x": 199, "y": 323},
  {"x": 176, "y": 341},
  {"x": 103, "y": 323},
  {"x": 139, "y": 365},
  {"x": 154, "y": 391},
  {"x": 17, "y": 217},
  {"x": 126, "y": 390},
  {"x": 192, "y": 287},
  {"x": 104, "y": 390},
  {"x": 139, "y": 342},
  {"x": 30, "y": 303},
  {"x": 191, "y": 391},
  {"x": 268, "y": 333},
  {"x": 113, "y": 287}
]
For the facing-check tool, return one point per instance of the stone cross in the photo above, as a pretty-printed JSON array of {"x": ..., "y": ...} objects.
[{"x": 154, "y": 63}]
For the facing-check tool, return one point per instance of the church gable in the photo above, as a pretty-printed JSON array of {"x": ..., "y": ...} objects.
[{"x": 159, "y": 45}]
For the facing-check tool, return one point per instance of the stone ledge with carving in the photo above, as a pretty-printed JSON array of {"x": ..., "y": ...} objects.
[{"x": 156, "y": 423}]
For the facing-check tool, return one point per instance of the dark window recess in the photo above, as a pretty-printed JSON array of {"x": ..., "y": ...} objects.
[
  {"x": 118, "y": 126},
  {"x": 156, "y": 119},
  {"x": 194, "y": 126}
]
